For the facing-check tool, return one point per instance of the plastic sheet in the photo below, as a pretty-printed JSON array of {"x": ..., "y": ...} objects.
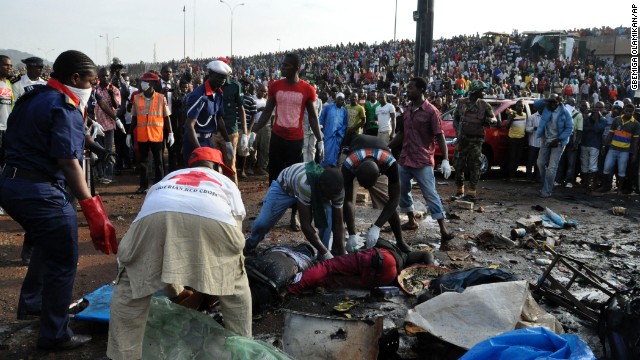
[
  {"x": 174, "y": 332},
  {"x": 530, "y": 344}
]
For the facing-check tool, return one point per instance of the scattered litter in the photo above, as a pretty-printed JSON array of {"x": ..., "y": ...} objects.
[
  {"x": 480, "y": 209},
  {"x": 120, "y": 218},
  {"x": 457, "y": 255},
  {"x": 618, "y": 210},
  {"x": 518, "y": 233},
  {"x": 345, "y": 306},
  {"x": 416, "y": 278},
  {"x": 543, "y": 262},
  {"x": 490, "y": 240},
  {"x": 465, "y": 205},
  {"x": 530, "y": 223},
  {"x": 552, "y": 220}
]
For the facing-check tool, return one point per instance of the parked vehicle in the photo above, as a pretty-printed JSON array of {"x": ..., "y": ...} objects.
[{"x": 494, "y": 149}]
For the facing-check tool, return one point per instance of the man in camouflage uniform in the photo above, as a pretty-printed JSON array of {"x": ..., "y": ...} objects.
[{"x": 470, "y": 117}]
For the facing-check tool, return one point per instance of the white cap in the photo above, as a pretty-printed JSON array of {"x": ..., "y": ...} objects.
[
  {"x": 339, "y": 95},
  {"x": 219, "y": 67},
  {"x": 618, "y": 103}
]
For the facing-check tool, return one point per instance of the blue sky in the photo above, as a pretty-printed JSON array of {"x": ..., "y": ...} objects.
[{"x": 134, "y": 27}]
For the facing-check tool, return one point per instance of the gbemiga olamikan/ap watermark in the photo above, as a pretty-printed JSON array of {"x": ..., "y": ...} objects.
[{"x": 634, "y": 47}]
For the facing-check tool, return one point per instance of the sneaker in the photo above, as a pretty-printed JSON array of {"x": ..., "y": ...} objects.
[
  {"x": 555, "y": 183},
  {"x": 105, "y": 181},
  {"x": 141, "y": 190},
  {"x": 569, "y": 185},
  {"x": 1, "y": 211}
]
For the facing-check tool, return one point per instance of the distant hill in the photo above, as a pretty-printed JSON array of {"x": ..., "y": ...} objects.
[{"x": 16, "y": 56}]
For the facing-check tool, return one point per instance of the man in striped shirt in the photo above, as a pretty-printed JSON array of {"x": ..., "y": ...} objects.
[
  {"x": 623, "y": 145},
  {"x": 299, "y": 184},
  {"x": 371, "y": 162},
  {"x": 249, "y": 105}
]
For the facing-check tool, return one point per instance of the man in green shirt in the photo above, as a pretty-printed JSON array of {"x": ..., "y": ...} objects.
[{"x": 371, "y": 124}]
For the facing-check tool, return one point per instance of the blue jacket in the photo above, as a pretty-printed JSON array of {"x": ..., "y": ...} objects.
[{"x": 564, "y": 121}]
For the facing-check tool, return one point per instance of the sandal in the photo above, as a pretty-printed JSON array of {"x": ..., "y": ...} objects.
[{"x": 408, "y": 226}]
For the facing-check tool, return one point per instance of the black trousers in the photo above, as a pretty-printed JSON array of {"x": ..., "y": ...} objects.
[
  {"x": 156, "y": 149},
  {"x": 282, "y": 154}
]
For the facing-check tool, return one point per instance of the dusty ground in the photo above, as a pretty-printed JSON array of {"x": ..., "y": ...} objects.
[{"x": 503, "y": 203}]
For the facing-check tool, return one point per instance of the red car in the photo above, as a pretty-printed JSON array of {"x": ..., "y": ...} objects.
[{"x": 494, "y": 149}]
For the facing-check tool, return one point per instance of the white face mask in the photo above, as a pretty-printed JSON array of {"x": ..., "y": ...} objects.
[
  {"x": 144, "y": 85},
  {"x": 83, "y": 94}
]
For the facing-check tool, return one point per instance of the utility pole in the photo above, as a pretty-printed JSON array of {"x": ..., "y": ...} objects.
[
  {"x": 184, "y": 32},
  {"x": 424, "y": 38},
  {"x": 154, "y": 52}
]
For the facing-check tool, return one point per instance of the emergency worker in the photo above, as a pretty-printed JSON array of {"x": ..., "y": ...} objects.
[
  {"x": 44, "y": 149},
  {"x": 204, "y": 112},
  {"x": 470, "y": 117},
  {"x": 149, "y": 117}
]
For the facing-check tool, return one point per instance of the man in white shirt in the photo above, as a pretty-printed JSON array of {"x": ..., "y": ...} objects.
[
  {"x": 386, "y": 116},
  {"x": 188, "y": 233},
  {"x": 32, "y": 77}
]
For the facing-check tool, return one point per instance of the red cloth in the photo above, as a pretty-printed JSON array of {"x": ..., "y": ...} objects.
[
  {"x": 351, "y": 270},
  {"x": 291, "y": 101}
]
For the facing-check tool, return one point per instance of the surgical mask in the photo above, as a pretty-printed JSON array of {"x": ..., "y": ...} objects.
[
  {"x": 83, "y": 94},
  {"x": 144, "y": 85}
]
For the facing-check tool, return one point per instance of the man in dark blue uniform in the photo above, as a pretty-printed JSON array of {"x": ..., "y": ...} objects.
[
  {"x": 205, "y": 110},
  {"x": 44, "y": 148}
]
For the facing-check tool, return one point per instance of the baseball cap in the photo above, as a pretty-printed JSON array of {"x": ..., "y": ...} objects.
[
  {"x": 209, "y": 154},
  {"x": 618, "y": 103}
]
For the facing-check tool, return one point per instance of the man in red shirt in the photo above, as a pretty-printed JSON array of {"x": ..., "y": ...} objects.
[
  {"x": 289, "y": 97},
  {"x": 420, "y": 127}
]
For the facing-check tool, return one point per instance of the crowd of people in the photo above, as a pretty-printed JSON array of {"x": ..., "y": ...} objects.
[{"x": 320, "y": 123}]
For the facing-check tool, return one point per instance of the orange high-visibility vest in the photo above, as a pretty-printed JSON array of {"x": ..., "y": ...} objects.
[{"x": 149, "y": 123}]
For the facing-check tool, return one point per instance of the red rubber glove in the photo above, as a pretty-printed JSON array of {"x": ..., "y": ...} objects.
[{"x": 101, "y": 230}]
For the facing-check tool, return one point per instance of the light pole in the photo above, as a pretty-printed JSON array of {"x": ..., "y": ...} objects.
[
  {"x": 112, "y": 48},
  {"x": 106, "y": 37},
  {"x": 279, "y": 43},
  {"x": 232, "y": 9},
  {"x": 395, "y": 22},
  {"x": 46, "y": 52}
]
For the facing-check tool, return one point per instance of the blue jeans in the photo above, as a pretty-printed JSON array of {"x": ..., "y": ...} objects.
[
  {"x": 616, "y": 157},
  {"x": 427, "y": 182},
  {"x": 548, "y": 160},
  {"x": 276, "y": 202}
]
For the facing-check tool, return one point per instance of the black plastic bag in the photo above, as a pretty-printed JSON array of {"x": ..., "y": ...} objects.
[{"x": 459, "y": 280}]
